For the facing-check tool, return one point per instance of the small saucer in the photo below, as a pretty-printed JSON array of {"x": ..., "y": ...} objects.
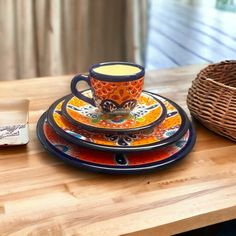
[
  {"x": 109, "y": 162},
  {"x": 169, "y": 131},
  {"x": 148, "y": 112}
]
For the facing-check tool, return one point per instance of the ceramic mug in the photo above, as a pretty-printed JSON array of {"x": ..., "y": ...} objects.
[{"x": 115, "y": 86}]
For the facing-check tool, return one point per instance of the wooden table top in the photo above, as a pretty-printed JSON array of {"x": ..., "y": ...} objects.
[{"x": 40, "y": 195}]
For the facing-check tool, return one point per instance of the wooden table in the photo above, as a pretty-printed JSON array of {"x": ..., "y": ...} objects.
[{"x": 40, "y": 195}]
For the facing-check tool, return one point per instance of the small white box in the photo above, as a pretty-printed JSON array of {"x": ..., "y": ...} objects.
[{"x": 14, "y": 118}]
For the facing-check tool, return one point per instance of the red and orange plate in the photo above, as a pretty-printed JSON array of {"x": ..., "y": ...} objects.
[
  {"x": 113, "y": 162},
  {"x": 158, "y": 145},
  {"x": 171, "y": 129}
]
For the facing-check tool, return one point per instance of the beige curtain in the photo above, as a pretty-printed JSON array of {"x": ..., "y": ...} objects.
[
  {"x": 136, "y": 30},
  {"x": 55, "y": 37}
]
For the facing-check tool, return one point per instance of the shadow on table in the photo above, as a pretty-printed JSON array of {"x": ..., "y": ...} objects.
[{"x": 223, "y": 229}]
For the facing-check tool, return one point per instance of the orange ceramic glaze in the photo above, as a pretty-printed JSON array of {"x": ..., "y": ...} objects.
[
  {"x": 159, "y": 132},
  {"x": 148, "y": 111},
  {"x": 118, "y": 92},
  {"x": 169, "y": 127},
  {"x": 116, "y": 86},
  {"x": 108, "y": 158},
  {"x": 73, "y": 150}
]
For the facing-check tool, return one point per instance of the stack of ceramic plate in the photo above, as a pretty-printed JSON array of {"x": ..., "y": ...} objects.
[{"x": 155, "y": 134}]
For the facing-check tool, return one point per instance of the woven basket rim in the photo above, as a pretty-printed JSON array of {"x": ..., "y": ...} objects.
[
  {"x": 212, "y": 98},
  {"x": 199, "y": 75},
  {"x": 221, "y": 84}
]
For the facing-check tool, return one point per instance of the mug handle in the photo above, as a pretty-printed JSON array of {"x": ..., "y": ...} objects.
[{"x": 77, "y": 93}]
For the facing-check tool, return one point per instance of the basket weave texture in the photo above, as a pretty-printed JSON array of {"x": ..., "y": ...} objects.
[{"x": 212, "y": 98}]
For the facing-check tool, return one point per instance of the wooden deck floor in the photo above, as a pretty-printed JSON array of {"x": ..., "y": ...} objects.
[{"x": 180, "y": 34}]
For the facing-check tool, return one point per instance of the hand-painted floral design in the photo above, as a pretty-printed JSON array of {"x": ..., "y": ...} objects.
[
  {"x": 121, "y": 139},
  {"x": 109, "y": 158},
  {"x": 149, "y": 110},
  {"x": 167, "y": 129}
]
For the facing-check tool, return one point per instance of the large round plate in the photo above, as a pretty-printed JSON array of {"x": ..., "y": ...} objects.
[
  {"x": 170, "y": 130},
  {"x": 148, "y": 112},
  {"x": 113, "y": 162}
]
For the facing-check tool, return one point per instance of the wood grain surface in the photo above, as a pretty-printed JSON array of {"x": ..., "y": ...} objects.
[{"x": 40, "y": 195}]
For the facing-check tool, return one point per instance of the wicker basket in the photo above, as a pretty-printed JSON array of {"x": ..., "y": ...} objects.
[{"x": 212, "y": 98}]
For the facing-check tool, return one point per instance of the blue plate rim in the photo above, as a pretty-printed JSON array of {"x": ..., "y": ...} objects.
[
  {"x": 182, "y": 130},
  {"x": 92, "y": 128},
  {"x": 118, "y": 169}
]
